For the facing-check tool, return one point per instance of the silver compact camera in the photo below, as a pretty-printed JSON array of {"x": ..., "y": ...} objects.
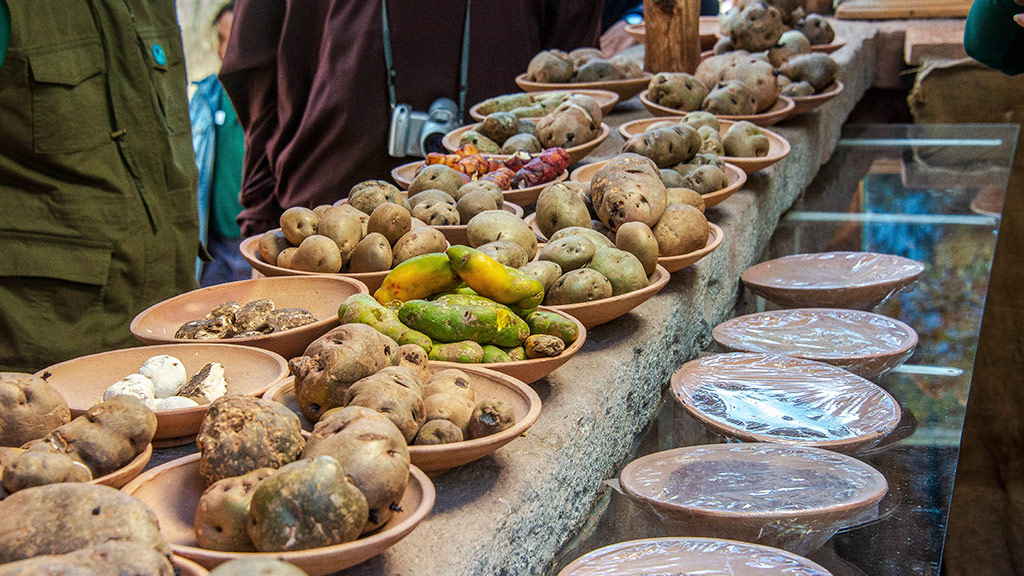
[{"x": 417, "y": 133}]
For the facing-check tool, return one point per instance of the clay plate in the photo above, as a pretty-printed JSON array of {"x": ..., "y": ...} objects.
[
  {"x": 247, "y": 370},
  {"x": 605, "y": 99},
  {"x": 186, "y": 567},
  {"x": 669, "y": 263},
  {"x": 172, "y": 492},
  {"x": 598, "y": 312},
  {"x": 250, "y": 251},
  {"x": 437, "y": 459},
  {"x": 626, "y": 89},
  {"x": 530, "y": 371},
  {"x": 576, "y": 153},
  {"x": 778, "y": 147},
  {"x": 829, "y": 48},
  {"x": 866, "y": 344},
  {"x": 124, "y": 474},
  {"x": 320, "y": 295},
  {"x": 735, "y": 179},
  {"x": 805, "y": 104},
  {"x": 773, "y": 398},
  {"x": 778, "y": 112},
  {"x": 787, "y": 497},
  {"x": 685, "y": 556},
  {"x": 707, "y": 28},
  {"x": 404, "y": 174},
  {"x": 858, "y": 280}
]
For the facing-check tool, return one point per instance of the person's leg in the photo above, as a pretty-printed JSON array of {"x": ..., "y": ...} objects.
[{"x": 228, "y": 265}]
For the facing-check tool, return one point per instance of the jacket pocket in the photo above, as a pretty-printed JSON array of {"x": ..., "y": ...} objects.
[
  {"x": 69, "y": 100},
  {"x": 166, "y": 59}
]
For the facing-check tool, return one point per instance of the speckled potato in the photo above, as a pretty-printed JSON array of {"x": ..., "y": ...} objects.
[
  {"x": 638, "y": 239},
  {"x": 222, "y": 515},
  {"x": 507, "y": 252},
  {"x": 365, "y": 196},
  {"x": 499, "y": 126},
  {"x": 483, "y": 144},
  {"x": 437, "y": 432},
  {"x": 548, "y": 68},
  {"x": 705, "y": 179},
  {"x": 685, "y": 196},
  {"x": 402, "y": 405},
  {"x": 450, "y": 381},
  {"x": 436, "y": 177},
  {"x": 732, "y": 98},
  {"x": 242, "y": 433},
  {"x": 522, "y": 143},
  {"x": 418, "y": 242},
  {"x": 677, "y": 90},
  {"x": 621, "y": 268},
  {"x": 414, "y": 358},
  {"x": 757, "y": 27},
  {"x": 599, "y": 239},
  {"x": 490, "y": 417},
  {"x": 29, "y": 408},
  {"x": 543, "y": 271},
  {"x": 437, "y": 212},
  {"x": 484, "y": 185},
  {"x": 561, "y": 205},
  {"x": 372, "y": 254},
  {"x": 582, "y": 285},
  {"x": 501, "y": 225},
  {"x": 683, "y": 229},
  {"x": 570, "y": 253},
  {"x": 271, "y": 244},
  {"x": 621, "y": 197},
  {"x": 454, "y": 408},
  {"x": 596, "y": 70},
  {"x": 543, "y": 346}
]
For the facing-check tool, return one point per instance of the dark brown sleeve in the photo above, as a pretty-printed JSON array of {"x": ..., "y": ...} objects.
[
  {"x": 571, "y": 24},
  {"x": 249, "y": 77}
]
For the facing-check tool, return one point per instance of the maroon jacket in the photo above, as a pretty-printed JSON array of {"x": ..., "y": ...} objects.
[{"x": 308, "y": 80}]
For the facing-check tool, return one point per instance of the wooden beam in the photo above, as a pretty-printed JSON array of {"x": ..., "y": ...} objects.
[{"x": 672, "y": 35}]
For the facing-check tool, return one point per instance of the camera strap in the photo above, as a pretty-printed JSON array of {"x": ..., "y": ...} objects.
[{"x": 463, "y": 66}]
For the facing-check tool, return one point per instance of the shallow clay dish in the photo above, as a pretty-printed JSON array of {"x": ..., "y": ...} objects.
[
  {"x": 250, "y": 251},
  {"x": 576, "y": 153},
  {"x": 437, "y": 459},
  {"x": 626, "y": 89},
  {"x": 735, "y": 179},
  {"x": 773, "y": 398},
  {"x": 829, "y": 48},
  {"x": 606, "y": 100},
  {"x": 859, "y": 280},
  {"x": 124, "y": 474},
  {"x": 186, "y": 567},
  {"x": 247, "y": 370},
  {"x": 404, "y": 174},
  {"x": 864, "y": 343},
  {"x": 685, "y": 556},
  {"x": 320, "y": 295},
  {"x": 778, "y": 112},
  {"x": 789, "y": 497},
  {"x": 172, "y": 492},
  {"x": 669, "y": 263},
  {"x": 778, "y": 147},
  {"x": 805, "y": 104},
  {"x": 530, "y": 371},
  {"x": 707, "y": 28},
  {"x": 598, "y": 312}
]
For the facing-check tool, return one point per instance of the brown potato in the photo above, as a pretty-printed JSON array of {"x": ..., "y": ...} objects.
[
  {"x": 474, "y": 202},
  {"x": 223, "y": 512},
  {"x": 582, "y": 285},
  {"x": 29, "y": 408},
  {"x": 705, "y": 179},
  {"x": 318, "y": 254},
  {"x": 547, "y": 67},
  {"x": 37, "y": 468},
  {"x": 501, "y": 225},
  {"x": 543, "y": 271},
  {"x": 570, "y": 252},
  {"x": 560, "y": 205},
  {"x": 455, "y": 408},
  {"x": 438, "y": 432},
  {"x": 621, "y": 268},
  {"x": 681, "y": 230},
  {"x": 595, "y": 236},
  {"x": 685, "y": 196},
  {"x": 413, "y": 357},
  {"x": 485, "y": 185},
  {"x": 372, "y": 254},
  {"x": 286, "y": 258},
  {"x": 298, "y": 223},
  {"x": 272, "y": 243},
  {"x": 436, "y": 177},
  {"x": 490, "y": 417},
  {"x": 507, "y": 252},
  {"x": 571, "y": 124},
  {"x": 344, "y": 227},
  {"x": 499, "y": 126},
  {"x": 417, "y": 242},
  {"x": 450, "y": 381},
  {"x": 391, "y": 220},
  {"x": 638, "y": 239},
  {"x": 365, "y": 196},
  {"x": 404, "y": 407},
  {"x": 522, "y": 143},
  {"x": 621, "y": 196}
]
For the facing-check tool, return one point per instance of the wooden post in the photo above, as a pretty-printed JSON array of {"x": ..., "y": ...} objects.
[{"x": 672, "y": 35}]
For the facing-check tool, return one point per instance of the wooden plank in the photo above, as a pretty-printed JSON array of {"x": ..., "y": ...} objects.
[
  {"x": 672, "y": 35},
  {"x": 902, "y": 9},
  {"x": 934, "y": 41}
]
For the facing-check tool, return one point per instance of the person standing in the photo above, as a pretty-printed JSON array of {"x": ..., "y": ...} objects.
[
  {"x": 97, "y": 174},
  {"x": 219, "y": 143},
  {"x": 994, "y": 34}
]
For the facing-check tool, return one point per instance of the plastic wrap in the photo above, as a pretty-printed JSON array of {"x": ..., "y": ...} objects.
[
  {"x": 772, "y": 398},
  {"x": 789, "y": 497},
  {"x": 859, "y": 280},
  {"x": 675, "y": 556},
  {"x": 864, "y": 343}
]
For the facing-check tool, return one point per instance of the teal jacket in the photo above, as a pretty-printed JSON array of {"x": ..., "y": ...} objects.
[{"x": 993, "y": 38}]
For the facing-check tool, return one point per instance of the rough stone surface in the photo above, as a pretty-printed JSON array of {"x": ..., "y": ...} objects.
[{"x": 510, "y": 513}]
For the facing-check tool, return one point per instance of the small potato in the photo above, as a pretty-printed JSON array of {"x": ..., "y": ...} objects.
[
  {"x": 490, "y": 417},
  {"x": 682, "y": 229},
  {"x": 483, "y": 144},
  {"x": 543, "y": 271},
  {"x": 474, "y": 202},
  {"x": 582, "y": 285},
  {"x": 344, "y": 228},
  {"x": 522, "y": 143},
  {"x": 403, "y": 406},
  {"x": 499, "y": 126},
  {"x": 223, "y": 512},
  {"x": 548, "y": 68},
  {"x": 272, "y": 243},
  {"x": 436, "y": 177},
  {"x": 621, "y": 268},
  {"x": 285, "y": 258},
  {"x": 450, "y": 381},
  {"x": 363, "y": 217},
  {"x": 416, "y": 242},
  {"x": 485, "y": 185},
  {"x": 431, "y": 195},
  {"x": 372, "y": 254},
  {"x": 391, "y": 220},
  {"x": 699, "y": 118},
  {"x": 705, "y": 179},
  {"x": 638, "y": 239},
  {"x": 543, "y": 346},
  {"x": 501, "y": 225},
  {"x": 560, "y": 205},
  {"x": 685, "y": 196},
  {"x": 365, "y": 196},
  {"x": 596, "y": 70},
  {"x": 438, "y": 432},
  {"x": 413, "y": 357},
  {"x": 570, "y": 252},
  {"x": 677, "y": 90},
  {"x": 318, "y": 254},
  {"x": 455, "y": 408},
  {"x": 506, "y": 252},
  {"x": 437, "y": 213},
  {"x": 299, "y": 223},
  {"x": 599, "y": 239},
  {"x": 670, "y": 178}
]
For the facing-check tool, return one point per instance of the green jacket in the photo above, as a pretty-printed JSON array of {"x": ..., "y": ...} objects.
[{"x": 97, "y": 175}]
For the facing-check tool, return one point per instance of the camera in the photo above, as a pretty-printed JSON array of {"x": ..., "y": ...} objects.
[{"x": 417, "y": 133}]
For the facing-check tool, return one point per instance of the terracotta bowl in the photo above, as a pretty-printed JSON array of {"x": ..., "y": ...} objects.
[
  {"x": 250, "y": 251},
  {"x": 319, "y": 294},
  {"x": 773, "y": 398},
  {"x": 778, "y": 147},
  {"x": 626, "y": 89},
  {"x": 576, "y": 153},
  {"x": 598, "y": 312},
  {"x": 605, "y": 99},
  {"x": 669, "y": 263},
  {"x": 247, "y": 370},
  {"x": 437, "y": 459},
  {"x": 691, "y": 556},
  {"x": 788, "y": 497},
  {"x": 829, "y": 48},
  {"x": 530, "y": 371},
  {"x": 124, "y": 474},
  {"x": 186, "y": 567},
  {"x": 805, "y": 104},
  {"x": 858, "y": 280},
  {"x": 779, "y": 111},
  {"x": 736, "y": 178},
  {"x": 172, "y": 492},
  {"x": 707, "y": 28},
  {"x": 866, "y": 344},
  {"x": 404, "y": 174}
]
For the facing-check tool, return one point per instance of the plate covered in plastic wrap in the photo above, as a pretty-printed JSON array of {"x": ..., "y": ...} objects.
[
  {"x": 664, "y": 556},
  {"x": 790, "y": 497},
  {"x": 773, "y": 398},
  {"x": 864, "y": 343},
  {"x": 859, "y": 280}
]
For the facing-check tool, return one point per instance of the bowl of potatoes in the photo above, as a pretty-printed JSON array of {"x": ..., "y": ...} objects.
[
  {"x": 538, "y": 104},
  {"x": 708, "y": 183},
  {"x": 583, "y": 68},
  {"x": 522, "y": 142}
]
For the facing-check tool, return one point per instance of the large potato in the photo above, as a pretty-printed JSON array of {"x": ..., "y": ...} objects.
[
  {"x": 682, "y": 229},
  {"x": 344, "y": 228},
  {"x": 365, "y": 196},
  {"x": 571, "y": 124},
  {"x": 372, "y": 254},
  {"x": 638, "y": 239},
  {"x": 391, "y": 220},
  {"x": 561, "y": 205},
  {"x": 114, "y": 557},
  {"x": 677, "y": 90},
  {"x": 622, "y": 269},
  {"x": 569, "y": 253},
  {"x": 436, "y": 177},
  {"x": 628, "y": 197},
  {"x": 666, "y": 146},
  {"x": 500, "y": 225},
  {"x": 582, "y": 285},
  {"x": 474, "y": 202},
  {"x": 417, "y": 242},
  {"x": 29, "y": 408},
  {"x": 757, "y": 75},
  {"x": 401, "y": 404}
]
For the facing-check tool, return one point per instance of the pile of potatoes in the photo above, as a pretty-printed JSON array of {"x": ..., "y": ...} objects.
[
  {"x": 439, "y": 196},
  {"x": 688, "y": 152},
  {"x": 254, "y": 318},
  {"x": 757, "y": 25},
  {"x": 372, "y": 231},
  {"x": 575, "y": 121},
  {"x": 580, "y": 65},
  {"x": 524, "y": 104},
  {"x": 162, "y": 383}
]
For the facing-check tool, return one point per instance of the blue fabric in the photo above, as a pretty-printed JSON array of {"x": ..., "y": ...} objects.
[
  {"x": 201, "y": 109},
  {"x": 228, "y": 265},
  {"x": 5, "y": 29}
]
